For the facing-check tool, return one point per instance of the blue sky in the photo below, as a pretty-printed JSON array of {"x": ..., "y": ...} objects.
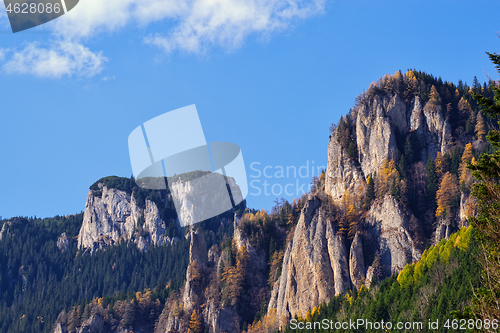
[{"x": 270, "y": 76}]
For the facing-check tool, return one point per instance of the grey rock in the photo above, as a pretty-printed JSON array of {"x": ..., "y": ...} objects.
[
  {"x": 63, "y": 242},
  {"x": 60, "y": 328},
  {"x": 115, "y": 216},
  {"x": 356, "y": 262},
  {"x": 314, "y": 265},
  {"x": 388, "y": 224}
]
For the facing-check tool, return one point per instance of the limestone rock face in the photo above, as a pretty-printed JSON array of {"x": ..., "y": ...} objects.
[
  {"x": 375, "y": 136},
  {"x": 388, "y": 226},
  {"x": 376, "y": 121},
  {"x": 315, "y": 265},
  {"x": 197, "y": 256},
  {"x": 63, "y": 242},
  {"x": 115, "y": 216},
  {"x": 60, "y": 328},
  {"x": 342, "y": 173},
  {"x": 357, "y": 262},
  {"x": 94, "y": 324},
  {"x": 217, "y": 316},
  {"x": 467, "y": 203},
  {"x": 5, "y": 232},
  {"x": 108, "y": 218}
]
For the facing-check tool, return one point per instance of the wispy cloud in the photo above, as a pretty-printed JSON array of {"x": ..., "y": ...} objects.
[
  {"x": 61, "y": 58},
  {"x": 3, "y": 53},
  {"x": 200, "y": 24}
]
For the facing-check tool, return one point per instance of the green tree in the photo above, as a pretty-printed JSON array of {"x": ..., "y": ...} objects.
[
  {"x": 432, "y": 179},
  {"x": 487, "y": 222}
]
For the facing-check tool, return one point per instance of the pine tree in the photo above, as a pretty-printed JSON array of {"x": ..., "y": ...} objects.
[
  {"x": 370, "y": 192},
  {"x": 487, "y": 222},
  {"x": 432, "y": 179}
]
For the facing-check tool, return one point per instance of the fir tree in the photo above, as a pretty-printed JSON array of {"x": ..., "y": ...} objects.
[{"x": 487, "y": 193}]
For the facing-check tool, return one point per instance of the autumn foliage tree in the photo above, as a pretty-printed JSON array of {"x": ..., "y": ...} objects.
[
  {"x": 465, "y": 176},
  {"x": 233, "y": 277},
  {"x": 480, "y": 127},
  {"x": 446, "y": 195},
  {"x": 195, "y": 323}
]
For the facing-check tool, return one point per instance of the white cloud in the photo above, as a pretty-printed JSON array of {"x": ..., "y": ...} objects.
[
  {"x": 3, "y": 53},
  {"x": 62, "y": 58},
  {"x": 199, "y": 24},
  {"x": 195, "y": 26}
]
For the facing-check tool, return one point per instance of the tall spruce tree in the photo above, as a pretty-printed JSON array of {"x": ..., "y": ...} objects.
[{"x": 487, "y": 221}]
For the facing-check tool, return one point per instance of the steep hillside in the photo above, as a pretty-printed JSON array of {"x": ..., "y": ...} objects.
[{"x": 437, "y": 289}]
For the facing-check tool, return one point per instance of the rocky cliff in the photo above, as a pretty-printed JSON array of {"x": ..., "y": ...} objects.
[
  {"x": 384, "y": 233},
  {"x": 315, "y": 265},
  {"x": 112, "y": 215}
]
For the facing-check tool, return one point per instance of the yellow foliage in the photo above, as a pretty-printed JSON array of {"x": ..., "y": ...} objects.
[
  {"x": 405, "y": 277},
  {"x": 465, "y": 175},
  {"x": 195, "y": 323},
  {"x": 441, "y": 251},
  {"x": 446, "y": 195},
  {"x": 441, "y": 164},
  {"x": 308, "y": 315},
  {"x": 480, "y": 126},
  {"x": 434, "y": 96},
  {"x": 387, "y": 175}
]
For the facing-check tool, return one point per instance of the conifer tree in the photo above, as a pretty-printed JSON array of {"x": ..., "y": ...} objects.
[
  {"x": 480, "y": 127},
  {"x": 370, "y": 192},
  {"x": 446, "y": 195},
  {"x": 432, "y": 179},
  {"x": 195, "y": 323},
  {"x": 487, "y": 222}
]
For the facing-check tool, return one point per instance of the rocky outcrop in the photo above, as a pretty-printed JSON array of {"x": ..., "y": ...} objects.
[
  {"x": 197, "y": 266},
  {"x": 357, "y": 262},
  {"x": 5, "y": 232},
  {"x": 94, "y": 324},
  {"x": 113, "y": 215},
  {"x": 315, "y": 265},
  {"x": 108, "y": 218},
  {"x": 195, "y": 296},
  {"x": 60, "y": 328},
  {"x": 375, "y": 136},
  {"x": 467, "y": 207},
  {"x": 377, "y": 120},
  {"x": 63, "y": 242},
  {"x": 443, "y": 231},
  {"x": 388, "y": 230},
  {"x": 342, "y": 174}
]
